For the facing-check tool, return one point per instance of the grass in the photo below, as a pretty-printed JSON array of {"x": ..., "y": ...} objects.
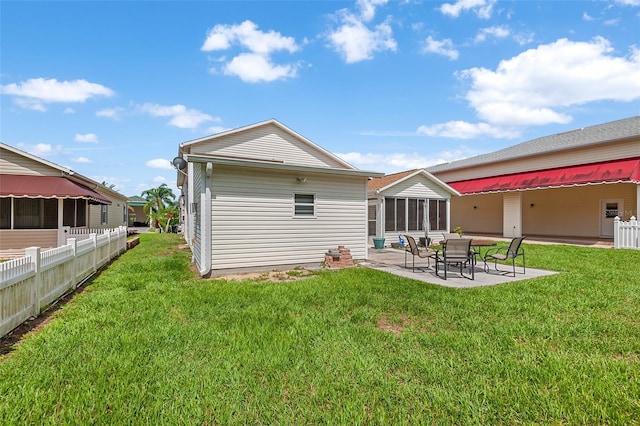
[{"x": 149, "y": 343}]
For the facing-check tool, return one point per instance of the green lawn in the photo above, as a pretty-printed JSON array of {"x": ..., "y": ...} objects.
[{"x": 149, "y": 343}]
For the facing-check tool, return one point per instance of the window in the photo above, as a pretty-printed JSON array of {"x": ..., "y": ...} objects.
[
  {"x": 74, "y": 212},
  {"x": 304, "y": 205},
  {"x": 408, "y": 214},
  {"x": 104, "y": 214},
  {"x": 35, "y": 213},
  {"x": 438, "y": 214},
  {"x": 5, "y": 213}
]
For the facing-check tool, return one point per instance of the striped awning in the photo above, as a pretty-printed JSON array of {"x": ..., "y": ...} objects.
[
  {"x": 47, "y": 187},
  {"x": 616, "y": 171}
]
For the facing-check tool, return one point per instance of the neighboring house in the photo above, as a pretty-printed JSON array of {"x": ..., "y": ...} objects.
[
  {"x": 412, "y": 202},
  {"x": 137, "y": 215},
  {"x": 39, "y": 200},
  {"x": 568, "y": 184},
  {"x": 263, "y": 195}
]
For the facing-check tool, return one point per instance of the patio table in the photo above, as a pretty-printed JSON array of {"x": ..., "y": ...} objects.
[{"x": 477, "y": 245}]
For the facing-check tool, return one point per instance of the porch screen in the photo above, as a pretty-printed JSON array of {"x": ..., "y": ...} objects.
[{"x": 408, "y": 214}]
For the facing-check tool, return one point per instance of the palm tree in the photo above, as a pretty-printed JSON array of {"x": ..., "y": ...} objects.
[{"x": 157, "y": 200}]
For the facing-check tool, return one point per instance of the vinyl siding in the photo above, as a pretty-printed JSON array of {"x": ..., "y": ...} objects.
[
  {"x": 115, "y": 216},
  {"x": 416, "y": 187},
  {"x": 21, "y": 238},
  {"x": 14, "y": 164},
  {"x": 267, "y": 142},
  {"x": 253, "y": 221},
  {"x": 619, "y": 150}
]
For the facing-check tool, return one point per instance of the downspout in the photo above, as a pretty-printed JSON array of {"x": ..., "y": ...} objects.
[{"x": 205, "y": 223}]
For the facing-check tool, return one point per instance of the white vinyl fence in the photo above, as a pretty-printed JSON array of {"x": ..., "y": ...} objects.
[
  {"x": 41, "y": 277},
  {"x": 626, "y": 234}
]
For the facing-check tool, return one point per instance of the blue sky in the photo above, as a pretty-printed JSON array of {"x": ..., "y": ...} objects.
[{"x": 110, "y": 89}]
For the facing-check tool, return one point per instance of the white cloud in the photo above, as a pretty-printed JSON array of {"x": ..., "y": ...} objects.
[
  {"x": 396, "y": 162},
  {"x": 628, "y": 2},
  {"x": 69, "y": 110},
  {"x": 40, "y": 149},
  {"x": 535, "y": 87},
  {"x": 354, "y": 40},
  {"x": 36, "y": 92},
  {"x": 160, "y": 179},
  {"x": 254, "y": 68},
  {"x": 114, "y": 113},
  {"x": 498, "y": 31},
  {"x": 464, "y": 130},
  {"x": 89, "y": 137},
  {"x": 441, "y": 47},
  {"x": 256, "y": 65},
  {"x": 83, "y": 160},
  {"x": 159, "y": 163},
  {"x": 482, "y": 8},
  {"x": 181, "y": 116}
]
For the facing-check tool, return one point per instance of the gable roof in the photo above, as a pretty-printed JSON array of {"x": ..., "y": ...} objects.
[
  {"x": 184, "y": 147},
  {"x": 383, "y": 183},
  {"x": 602, "y": 133}
]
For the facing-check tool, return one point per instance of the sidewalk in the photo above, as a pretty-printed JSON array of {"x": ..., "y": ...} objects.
[{"x": 392, "y": 261}]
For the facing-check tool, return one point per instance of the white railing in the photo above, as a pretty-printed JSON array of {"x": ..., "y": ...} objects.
[
  {"x": 42, "y": 277},
  {"x": 626, "y": 234}
]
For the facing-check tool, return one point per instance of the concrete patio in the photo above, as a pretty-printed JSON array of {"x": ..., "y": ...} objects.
[{"x": 392, "y": 261}]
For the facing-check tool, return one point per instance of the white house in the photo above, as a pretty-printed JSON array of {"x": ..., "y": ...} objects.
[
  {"x": 412, "y": 202},
  {"x": 263, "y": 195}
]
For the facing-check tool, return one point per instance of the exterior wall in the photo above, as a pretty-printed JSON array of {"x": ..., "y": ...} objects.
[
  {"x": 573, "y": 211},
  {"x": 115, "y": 214},
  {"x": 416, "y": 187},
  {"x": 266, "y": 142},
  {"x": 604, "y": 152},
  {"x": 14, "y": 164},
  {"x": 253, "y": 221},
  {"x": 11, "y": 239},
  {"x": 485, "y": 218}
]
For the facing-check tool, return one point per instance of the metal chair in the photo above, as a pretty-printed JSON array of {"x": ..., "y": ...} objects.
[
  {"x": 415, "y": 251},
  {"x": 514, "y": 250},
  {"x": 456, "y": 252}
]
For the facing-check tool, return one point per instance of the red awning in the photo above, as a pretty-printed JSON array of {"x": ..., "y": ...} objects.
[
  {"x": 617, "y": 171},
  {"x": 46, "y": 187}
]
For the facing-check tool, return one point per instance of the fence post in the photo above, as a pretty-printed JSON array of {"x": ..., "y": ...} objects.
[
  {"x": 34, "y": 254},
  {"x": 73, "y": 242},
  {"x": 94, "y": 243},
  {"x": 635, "y": 232},
  {"x": 616, "y": 231}
]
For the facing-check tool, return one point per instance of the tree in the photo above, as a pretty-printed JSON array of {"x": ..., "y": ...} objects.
[{"x": 157, "y": 201}]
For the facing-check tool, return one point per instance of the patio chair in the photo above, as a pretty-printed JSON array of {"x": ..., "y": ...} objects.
[
  {"x": 514, "y": 250},
  {"x": 415, "y": 251},
  {"x": 456, "y": 251},
  {"x": 451, "y": 236}
]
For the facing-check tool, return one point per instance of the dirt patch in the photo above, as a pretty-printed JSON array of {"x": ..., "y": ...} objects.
[
  {"x": 269, "y": 276},
  {"x": 396, "y": 326}
]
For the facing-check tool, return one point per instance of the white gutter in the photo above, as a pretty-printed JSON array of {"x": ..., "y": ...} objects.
[{"x": 205, "y": 223}]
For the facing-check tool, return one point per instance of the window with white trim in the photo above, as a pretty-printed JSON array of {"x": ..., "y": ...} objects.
[
  {"x": 104, "y": 214},
  {"x": 304, "y": 205}
]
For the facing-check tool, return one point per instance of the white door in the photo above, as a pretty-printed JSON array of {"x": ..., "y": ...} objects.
[{"x": 609, "y": 209}]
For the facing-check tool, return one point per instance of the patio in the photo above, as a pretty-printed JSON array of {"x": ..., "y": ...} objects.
[{"x": 392, "y": 261}]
